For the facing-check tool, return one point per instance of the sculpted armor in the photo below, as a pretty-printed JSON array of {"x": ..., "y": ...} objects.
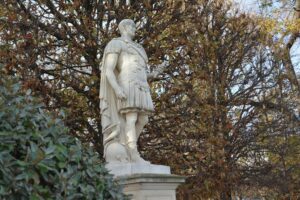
[{"x": 131, "y": 76}]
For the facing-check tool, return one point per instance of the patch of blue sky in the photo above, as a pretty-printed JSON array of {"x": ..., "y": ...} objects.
[{"x": 247, "y": 5}]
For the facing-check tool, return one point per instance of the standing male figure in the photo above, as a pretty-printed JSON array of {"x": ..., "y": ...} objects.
[{"x": 125, "y": 100}]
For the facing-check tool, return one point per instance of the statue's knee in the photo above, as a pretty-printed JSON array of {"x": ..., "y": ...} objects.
[
  {"x": 131, "y": 118},
  {"x": 131, "y": 121}
]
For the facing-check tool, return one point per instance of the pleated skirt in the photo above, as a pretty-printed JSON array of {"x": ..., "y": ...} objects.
[{"x": 138, "y": 97}]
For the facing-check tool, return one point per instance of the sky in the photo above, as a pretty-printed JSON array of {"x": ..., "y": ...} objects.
[{"x": 248, "y": 5}]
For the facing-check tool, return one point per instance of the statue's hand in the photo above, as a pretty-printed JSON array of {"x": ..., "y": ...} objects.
[
  {"x": 159, "y": 69},
  {"x": 120, "y": 94},
  {"x": 155, "y": 73}
]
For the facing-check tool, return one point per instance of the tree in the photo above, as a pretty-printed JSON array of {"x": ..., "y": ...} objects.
[
  {"x": 281, "y": 23},
  {"x": 207, "y": 122}
]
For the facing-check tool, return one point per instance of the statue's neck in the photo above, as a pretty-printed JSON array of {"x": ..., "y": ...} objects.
[{"x": 127, "y": 38}]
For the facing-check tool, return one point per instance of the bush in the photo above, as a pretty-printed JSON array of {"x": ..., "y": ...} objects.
[{"x": 39, "y": 160}]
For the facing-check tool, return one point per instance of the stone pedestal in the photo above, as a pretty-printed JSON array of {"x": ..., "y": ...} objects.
[
  {"x": 151, "y": 186},
  {"x": 125, "y": 169}
]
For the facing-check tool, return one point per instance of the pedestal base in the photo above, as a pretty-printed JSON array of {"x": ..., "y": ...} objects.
[
  {"x": 123, "y": 169},
  {"x": 151, "y": 186}
]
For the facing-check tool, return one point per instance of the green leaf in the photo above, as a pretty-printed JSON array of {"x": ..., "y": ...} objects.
[{"x": 38, "y": 159}]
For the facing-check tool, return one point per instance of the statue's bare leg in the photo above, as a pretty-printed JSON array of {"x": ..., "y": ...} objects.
[
  {"x": 131, "y": 119},
  {"x": 141, "y": 122},
  {"x": 131, "y": 135}
]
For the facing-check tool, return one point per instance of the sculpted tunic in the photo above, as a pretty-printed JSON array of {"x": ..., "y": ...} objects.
[{"x": 131, "y": 75}]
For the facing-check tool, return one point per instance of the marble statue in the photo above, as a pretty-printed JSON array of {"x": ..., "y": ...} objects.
[{"x": 125, "y": 100}]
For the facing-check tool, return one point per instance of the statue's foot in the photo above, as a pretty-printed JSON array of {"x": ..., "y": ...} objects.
[
  {"x": 136, "y": 158},
  {"x": 139, "y": 160}
]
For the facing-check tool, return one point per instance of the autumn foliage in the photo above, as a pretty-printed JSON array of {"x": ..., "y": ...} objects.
[{"x": 226, "y": 115}]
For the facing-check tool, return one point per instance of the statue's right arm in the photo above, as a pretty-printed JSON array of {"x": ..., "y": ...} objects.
[{"x": 110, "y": 65}]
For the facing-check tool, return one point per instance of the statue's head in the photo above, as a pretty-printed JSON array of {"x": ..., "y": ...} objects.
[{"x": 127, "y": 27}]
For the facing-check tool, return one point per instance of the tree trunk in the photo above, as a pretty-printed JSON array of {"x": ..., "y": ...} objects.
[{"x": 226, "y": 195}]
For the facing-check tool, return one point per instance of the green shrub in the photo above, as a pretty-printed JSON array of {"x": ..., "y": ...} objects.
[{"x": 39, "y": 160}]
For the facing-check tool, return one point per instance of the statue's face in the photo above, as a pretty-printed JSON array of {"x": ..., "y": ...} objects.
[{"x": 130, "y": 29}]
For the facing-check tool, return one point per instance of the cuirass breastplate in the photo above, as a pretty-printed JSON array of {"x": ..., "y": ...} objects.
[{"x": 131, "y": 65}]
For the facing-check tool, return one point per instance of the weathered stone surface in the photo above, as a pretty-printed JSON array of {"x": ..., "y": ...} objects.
[
  {"x": 151, "y": 186},
  {"x": 123, "y": 169}
]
